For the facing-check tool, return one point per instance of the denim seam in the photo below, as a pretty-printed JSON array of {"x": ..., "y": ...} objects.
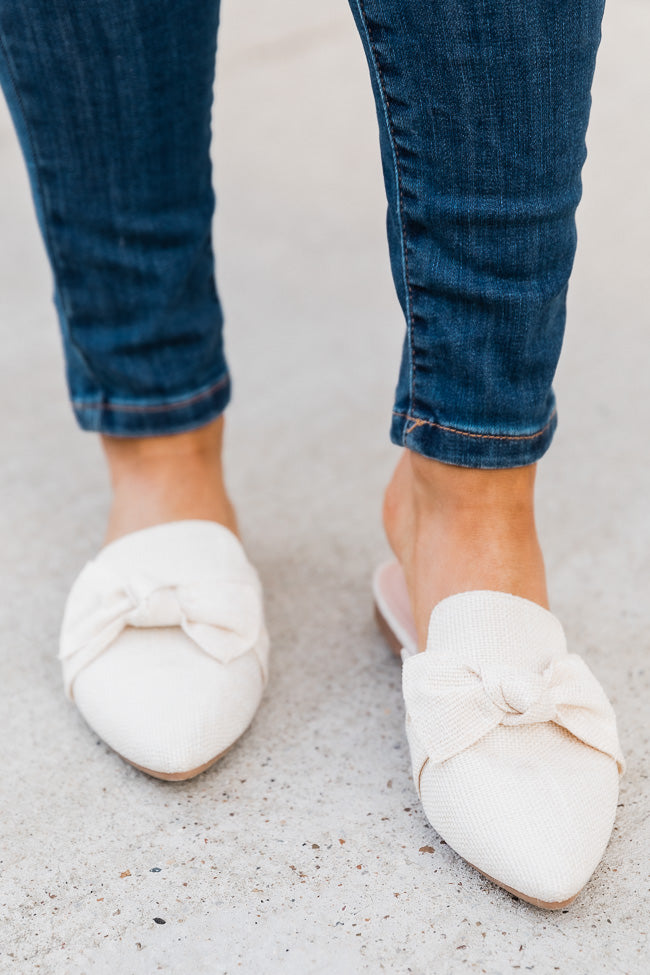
[
  {"x": 154, "y": 407},
  {"x": 418, "y": 422},
  {"x": 49, "y": 240},
  {"x": 398, "y": 179}
]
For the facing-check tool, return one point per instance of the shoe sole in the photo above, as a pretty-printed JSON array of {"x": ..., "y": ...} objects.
[
  {"x": 396, "y": 646},
  {"x": 177, "y": 776}
]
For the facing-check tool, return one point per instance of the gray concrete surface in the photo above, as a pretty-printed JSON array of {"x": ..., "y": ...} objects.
[{"x": 301, "y": 851}]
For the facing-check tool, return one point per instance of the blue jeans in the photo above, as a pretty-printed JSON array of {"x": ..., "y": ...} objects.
[{"x": 482, "y": 107}]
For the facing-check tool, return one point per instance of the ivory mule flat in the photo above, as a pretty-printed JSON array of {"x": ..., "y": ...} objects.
[
  {"x": 164, "y": 647},
  {"x": 514, "y": 747}
]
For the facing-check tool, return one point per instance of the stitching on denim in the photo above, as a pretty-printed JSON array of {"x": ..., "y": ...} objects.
[
  {"x": 417, "y": 422},
  {"x": 50, "y": 244},
  {"x": 398, "y": 179},
  {"x": 153, "y": 408}
]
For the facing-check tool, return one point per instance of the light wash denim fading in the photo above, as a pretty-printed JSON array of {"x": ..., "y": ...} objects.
[{"x": 482, "y": 108}]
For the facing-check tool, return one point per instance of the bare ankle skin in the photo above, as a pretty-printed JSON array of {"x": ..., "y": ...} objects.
[
  {"x": 167, "y": 478},
  {"x": 455, "y": 529}
]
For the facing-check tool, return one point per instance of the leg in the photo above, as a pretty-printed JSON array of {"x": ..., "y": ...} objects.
[
  {"x": 163, "y": 643},
  {"x": 483, "y": 108},
  {"x": 482, "y": 113},
  {"x": 112, "y": 102}
]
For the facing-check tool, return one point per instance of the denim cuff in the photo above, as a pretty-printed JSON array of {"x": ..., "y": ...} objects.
[
  {"x": 130, "y": 419},
  {"x": 468, "y": 448}
]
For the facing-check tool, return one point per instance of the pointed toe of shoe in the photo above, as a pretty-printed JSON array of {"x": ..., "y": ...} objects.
[
  {"x": 536, "y": 827},
  {"x": 165, "y": 706}
]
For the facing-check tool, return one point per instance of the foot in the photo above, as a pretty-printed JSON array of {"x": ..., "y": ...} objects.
[
  {"x": 513, "y": 742},
  {"x": 167, "y": 478},
  {"x": 164, "y": 647},
  {"x": 455, "y": 529}
]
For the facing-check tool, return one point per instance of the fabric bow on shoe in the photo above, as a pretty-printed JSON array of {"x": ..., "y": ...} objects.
[
  {"x": 222, "y": 616},
  {"x": 451, "y": 705}
]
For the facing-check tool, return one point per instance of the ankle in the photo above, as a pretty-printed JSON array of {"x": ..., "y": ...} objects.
[
  {"x": 167, "y": 478},
  {"x": 423, "y": 490},
  {"x": 153, "y": 457},
  {"x": 455, "y": 529},
  {"x": 462, "y": 491}
]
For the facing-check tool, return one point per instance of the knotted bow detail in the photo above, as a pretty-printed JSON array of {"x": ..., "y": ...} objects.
[
  {"x": 451, "y": 705},
  {"x": 222, "y": 616}
]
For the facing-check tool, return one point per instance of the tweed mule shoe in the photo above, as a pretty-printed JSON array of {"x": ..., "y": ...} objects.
[
  {"x": 514, "y": 747},
  {"x": 164, "y": 647}
]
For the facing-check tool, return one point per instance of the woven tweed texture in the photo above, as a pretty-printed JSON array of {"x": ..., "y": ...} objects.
[
  {"x": 513, "y": 742},
  {"x": 164, "y": 646}
]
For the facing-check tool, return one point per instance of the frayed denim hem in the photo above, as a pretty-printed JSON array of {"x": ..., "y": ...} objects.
[
  {"x": 471, "y": 449},
  {"x": 125, "y": 419}
]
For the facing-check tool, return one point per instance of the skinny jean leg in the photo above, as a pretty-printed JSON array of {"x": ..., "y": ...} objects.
[
  {"x": 111, "y": 100},
  {"x": 483, "y": 108}
]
